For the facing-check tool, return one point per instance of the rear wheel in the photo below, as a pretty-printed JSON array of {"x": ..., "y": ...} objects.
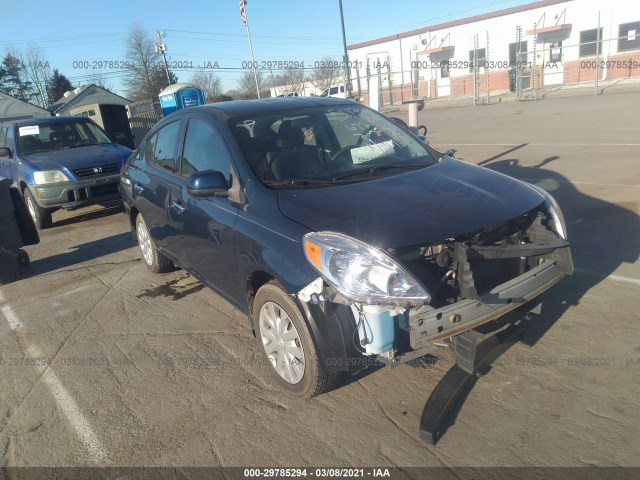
[
  {"x": 287, "y": 343},
  {"x": 41, "y": 216},
  {"x": 153, "y": 259}
]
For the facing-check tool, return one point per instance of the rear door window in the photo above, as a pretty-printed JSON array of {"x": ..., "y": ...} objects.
[{"x": 161, "y": 148}]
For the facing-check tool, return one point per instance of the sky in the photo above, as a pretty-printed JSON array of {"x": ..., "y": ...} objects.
[{"x": 201, "y": 33}]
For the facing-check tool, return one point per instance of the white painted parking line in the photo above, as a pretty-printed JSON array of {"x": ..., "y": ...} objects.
[
  {"x": 630, "y": 281},
  {"x": 615, "y": 278},
  {"x": 13, "y": 320},
  {"x": 65, "y": 402},
  {"x": 553, "y": 180},
  {"x": 70, "y": 408}
]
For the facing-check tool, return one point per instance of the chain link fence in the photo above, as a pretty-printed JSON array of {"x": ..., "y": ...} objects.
[{"x": 539, "y": 64}]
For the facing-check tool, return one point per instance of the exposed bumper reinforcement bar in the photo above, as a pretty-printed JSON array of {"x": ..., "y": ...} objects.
[{"x": 430, "y": 326}]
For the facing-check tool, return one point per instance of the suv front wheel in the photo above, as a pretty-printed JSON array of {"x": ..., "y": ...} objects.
[{"x": 41, "y": 216}]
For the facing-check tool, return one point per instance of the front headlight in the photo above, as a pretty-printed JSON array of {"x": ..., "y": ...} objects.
[
  {"x": 360, "y": 272},
  {"x": 49, "y": 176},
  {"x": 557, "y": 222}
]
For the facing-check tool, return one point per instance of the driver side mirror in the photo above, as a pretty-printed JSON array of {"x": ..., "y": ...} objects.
[
  {"x": 208, "y": 183},
  {"x": 5, "y": 152}
]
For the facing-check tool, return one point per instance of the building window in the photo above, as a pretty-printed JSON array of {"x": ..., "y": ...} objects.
[
  {"x": 555, "y": 52},
  {"x": 479, "y": 60},
  {"x": 517, "y": 53},
  {"x": 629, "y": 36},
  {"x": 444, "y": 69},
  {"x": 588, "y": 42}
]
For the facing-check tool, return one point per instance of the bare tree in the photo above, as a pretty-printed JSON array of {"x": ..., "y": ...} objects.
[
  {"x": 209, "y": 82},
  {"x": 99, "y": 79},
  {"x": 327, "y": 74},
  {"x": 294, "y": 78},
  {"x": 247, "y": 85},
  {"x": 146, "y": 76},
  {"x": 37, "y": 72}
]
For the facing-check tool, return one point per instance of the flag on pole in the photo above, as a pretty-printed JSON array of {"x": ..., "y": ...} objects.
[{"x": 243, "y": 12}]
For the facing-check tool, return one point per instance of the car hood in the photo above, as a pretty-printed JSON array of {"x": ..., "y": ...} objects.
[
  {"x": 423, "y": 206},
  {"x": 80, "y": 157}
]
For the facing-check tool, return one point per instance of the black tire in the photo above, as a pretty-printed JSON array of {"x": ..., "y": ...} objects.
[
  {"x": 314, "y": 380},
  {"x": 41, "y": 216},
  {"x": 155, "y": 261},
  {"x": 24, "y": 262}
]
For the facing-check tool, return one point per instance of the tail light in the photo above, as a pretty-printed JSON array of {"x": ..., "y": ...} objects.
[{"x": 124, "y": 168}]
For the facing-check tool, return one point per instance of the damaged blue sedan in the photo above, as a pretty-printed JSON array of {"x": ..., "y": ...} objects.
[{"x": 344, "y": 237}]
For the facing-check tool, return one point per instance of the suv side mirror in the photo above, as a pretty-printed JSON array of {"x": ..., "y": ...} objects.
[
  {"x": 208, "y": 183},
  {"x": 5, "y": 152}
]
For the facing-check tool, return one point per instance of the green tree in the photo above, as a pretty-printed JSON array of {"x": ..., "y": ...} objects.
[
  {"x": 13, "y": 79},
  {"x": 58, "y": 85}
]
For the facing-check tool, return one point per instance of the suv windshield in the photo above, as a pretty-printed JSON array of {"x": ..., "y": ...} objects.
[
  {"x": 46, "y": 137},
  {"x": 321, "y": 146}
]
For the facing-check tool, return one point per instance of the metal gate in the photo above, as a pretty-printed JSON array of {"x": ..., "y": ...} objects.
[{"x": 142, "y": 117}]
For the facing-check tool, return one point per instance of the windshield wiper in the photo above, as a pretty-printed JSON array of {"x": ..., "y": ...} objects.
[
  {"x": 297, "y": 181},
  {"x": 379, "y": 168},
  {"x": 82, "y": 145}
]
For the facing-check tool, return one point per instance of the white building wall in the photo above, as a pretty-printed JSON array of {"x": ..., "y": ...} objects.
[{"x": 582, "y": 14}]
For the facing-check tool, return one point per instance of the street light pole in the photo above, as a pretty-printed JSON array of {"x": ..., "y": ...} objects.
[{"x": 345, "y": 58}]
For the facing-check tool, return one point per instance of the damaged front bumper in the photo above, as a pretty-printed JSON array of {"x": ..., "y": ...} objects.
[
  {"x": 428, "y": 326},
  {"x": 395, "y": 335}
]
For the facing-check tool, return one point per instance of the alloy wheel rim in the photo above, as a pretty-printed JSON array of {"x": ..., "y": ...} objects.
[
  {"x": 281, "y": 343},
  {"x": 145, "y": 243},
  {"x": 31, "y": 208}
]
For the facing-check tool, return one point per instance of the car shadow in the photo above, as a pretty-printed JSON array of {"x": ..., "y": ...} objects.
[
  {"x": 82, "y": 253},
  {"x": 82, "y": 216},
  {"x": 592, "y": 224}
]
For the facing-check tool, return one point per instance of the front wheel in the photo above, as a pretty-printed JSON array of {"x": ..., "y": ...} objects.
[
  {"x": 41, "y": 216},
  {"x": 287, "y": 343}
]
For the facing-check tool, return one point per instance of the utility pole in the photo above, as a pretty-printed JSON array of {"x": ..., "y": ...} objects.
[
  {"x": 345, "y": 58},
  {"x": 162, "y": 48}
]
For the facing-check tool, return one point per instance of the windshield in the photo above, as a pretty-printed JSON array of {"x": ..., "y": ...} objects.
[
  {"x": 47, "y": 137},
  {"x": 327, "y": 145}
]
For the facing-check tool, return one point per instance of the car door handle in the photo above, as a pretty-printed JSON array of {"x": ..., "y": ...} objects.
[
  {"x": 178, "y": 207},
  {"x": 138, "y": 188}
]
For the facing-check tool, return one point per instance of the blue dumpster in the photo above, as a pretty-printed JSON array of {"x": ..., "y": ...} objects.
[{"x": 180, "y": 95}]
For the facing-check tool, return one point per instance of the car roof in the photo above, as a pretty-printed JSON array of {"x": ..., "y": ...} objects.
[
  {"x": 41, "y": 120},
  {"x": 241, "y": 108}
]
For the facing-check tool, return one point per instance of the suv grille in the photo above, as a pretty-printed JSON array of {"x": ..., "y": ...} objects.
[{"x": 100, "y": 170}]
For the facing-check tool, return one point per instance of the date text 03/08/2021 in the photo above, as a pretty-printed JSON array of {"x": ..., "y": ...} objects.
[{"x": 316, "y": 472}]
